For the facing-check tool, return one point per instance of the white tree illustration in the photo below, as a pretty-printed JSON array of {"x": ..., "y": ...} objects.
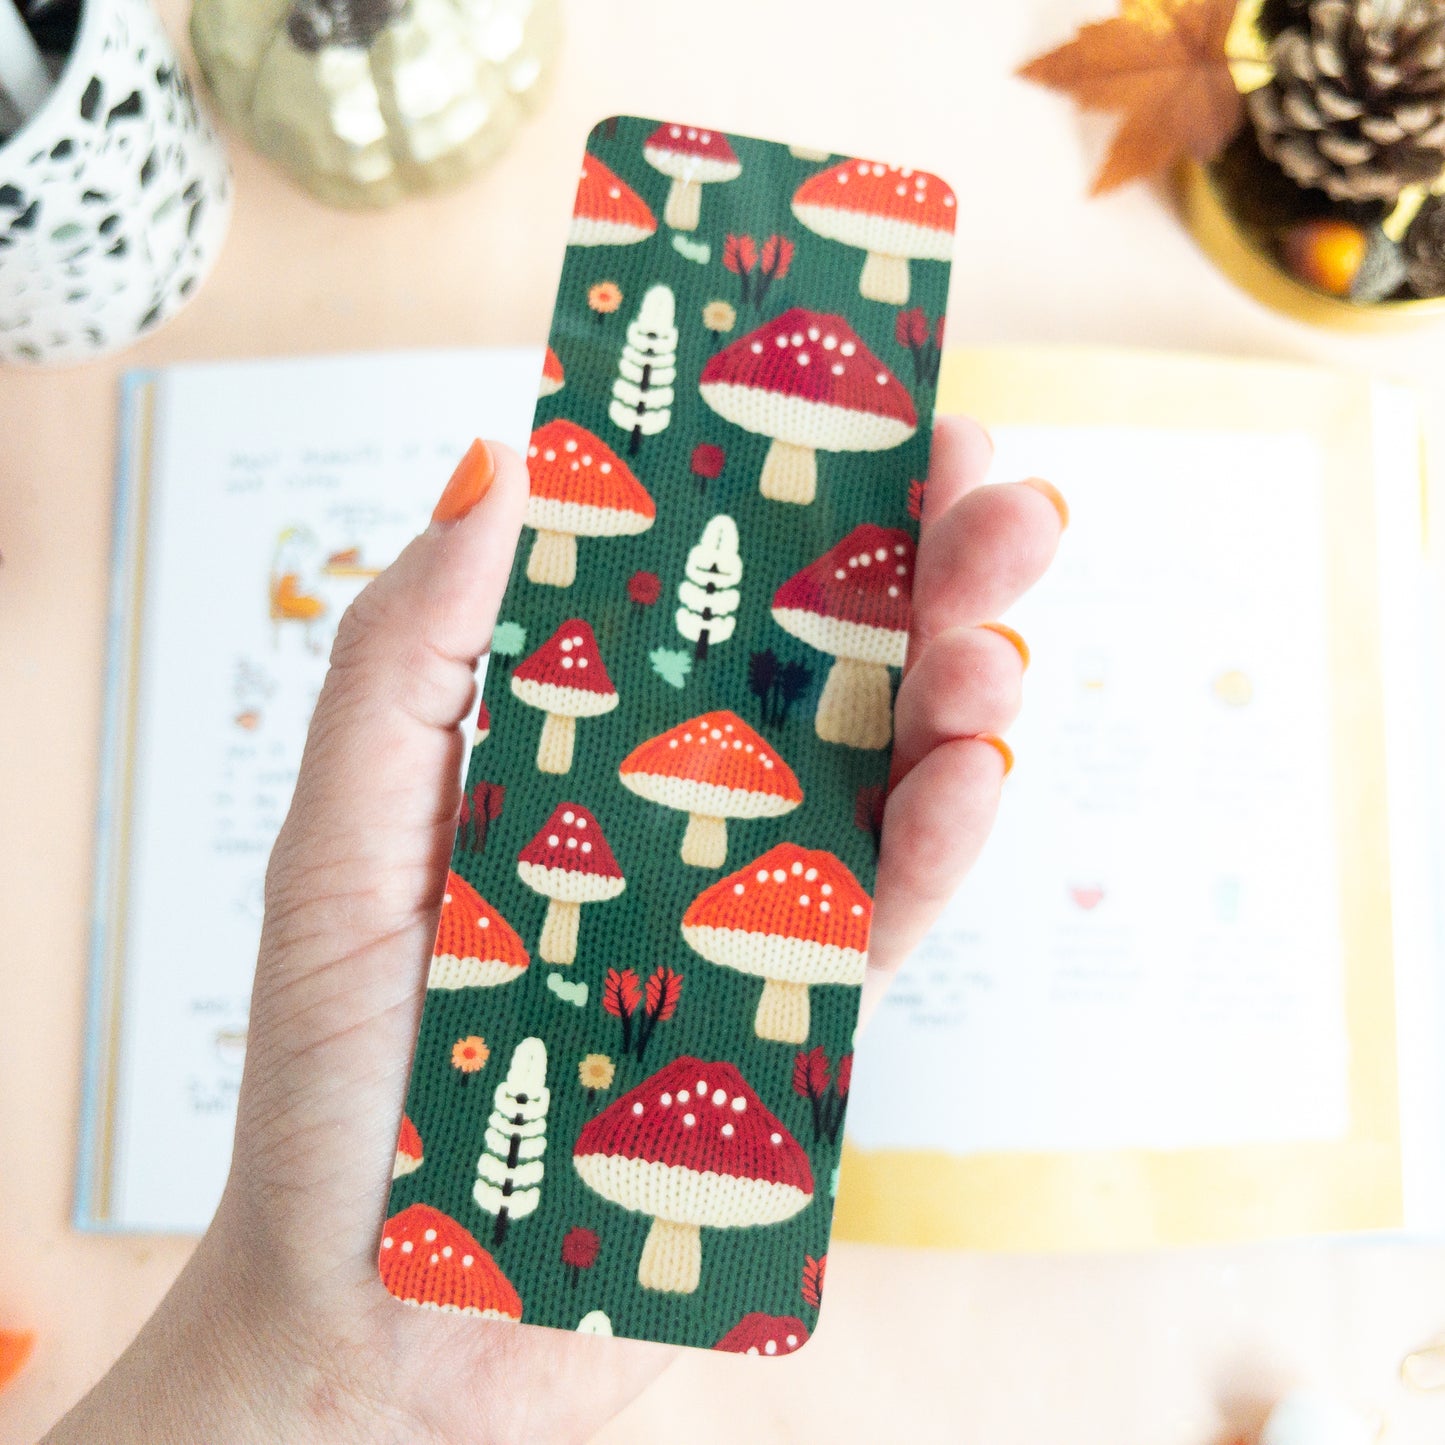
[
  {"x": 510, "y": 1169},
  {"x": 642, "y": 393},
  {"x": 709, "y": 594}
]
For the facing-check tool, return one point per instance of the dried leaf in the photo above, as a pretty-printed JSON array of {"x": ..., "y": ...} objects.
[{"x": 1165, "y": 71}]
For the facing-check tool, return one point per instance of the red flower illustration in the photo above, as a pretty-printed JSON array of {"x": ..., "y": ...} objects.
[
  {"x": 911, "y": 328},
  {"x": 915, "y": 500},
  {"x": 740, "y": 255},
  {"x": 644, "y": 588},
  {"x": 813, "y": 1272},
  {"x": 621, "y": 993},
  {"x": 707, "y": 463},
  {"x": 579, "y": 1251},
  {"x": 776, "y": 257}
]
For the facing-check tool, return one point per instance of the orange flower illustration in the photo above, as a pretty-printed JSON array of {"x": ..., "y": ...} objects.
[
  {"x": 468, "y": 1056},
  {"x": 604, "y": 298}
]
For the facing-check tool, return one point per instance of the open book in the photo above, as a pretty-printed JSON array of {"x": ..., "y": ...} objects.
[{"x": 1190, "y": 992}]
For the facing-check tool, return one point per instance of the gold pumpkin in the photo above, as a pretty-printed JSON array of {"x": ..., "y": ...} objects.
[{"x": 367, "y": 101}]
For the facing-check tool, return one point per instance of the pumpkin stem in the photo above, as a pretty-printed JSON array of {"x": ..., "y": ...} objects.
[{"x": 314, "y": 23}]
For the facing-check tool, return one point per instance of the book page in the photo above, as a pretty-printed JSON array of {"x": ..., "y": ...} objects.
[
  {"x": 276, "y": 490},
  {"x": 1159, "y": 903},
  {"x": 1161, "y": 1008}
]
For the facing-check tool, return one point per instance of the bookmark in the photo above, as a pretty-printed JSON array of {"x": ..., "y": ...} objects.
[{"x": 626, "y": 1105}]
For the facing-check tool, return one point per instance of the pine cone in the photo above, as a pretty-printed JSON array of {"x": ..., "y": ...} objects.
[
  {"x": 1357, "y": 103},
  {"x": 1425, "y": 249}
]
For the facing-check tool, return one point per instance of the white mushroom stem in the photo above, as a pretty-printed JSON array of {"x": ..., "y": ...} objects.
[
  {"x": 671, "y": 1258},
  {"x": 558, "y": 943},
  {"x": 856, "y": 708},
  {"x": 553, "y": 560},
  {"x": 783, "y": 1012},
  {"x": 790, "y": 474},
  {"x": 684, "y": 205},
  {"x": 705, "y": 844},
  {"x": 554, "y": 747},
  {"x": 885, "y": 278}
]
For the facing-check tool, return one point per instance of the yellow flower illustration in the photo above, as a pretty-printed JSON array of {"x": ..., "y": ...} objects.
[
  {"x": 719, "y": 316},
  {"x": 596, "y": 1072}
]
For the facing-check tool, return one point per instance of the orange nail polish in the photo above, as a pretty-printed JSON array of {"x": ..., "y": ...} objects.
[
  {"x": 1009, "y": 635},
  {"x": 1055, "y": 496},
  {"x": 468, "y": 485},
  {"x": 1004, "y": 751}
]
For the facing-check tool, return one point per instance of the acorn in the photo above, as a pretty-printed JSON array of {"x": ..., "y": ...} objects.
[{"x": 1326, "y": 254}]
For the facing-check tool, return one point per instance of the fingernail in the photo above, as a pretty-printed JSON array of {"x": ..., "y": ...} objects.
[
  {"x": 1055, "y": 496},
  {"x": 1004, "y": 751},
  {"x": 1009, "y": 635},
  {"x": 468, "y": 485}
]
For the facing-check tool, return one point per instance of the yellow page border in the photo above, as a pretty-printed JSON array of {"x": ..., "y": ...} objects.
[{"x": 1120, "y": 1199}]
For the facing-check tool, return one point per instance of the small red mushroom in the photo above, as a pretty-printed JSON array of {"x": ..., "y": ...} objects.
[
  {"x": 807, "y": 380},
  {"x": 607, "y": 211},
  {"x": 794, "y": 917},
  {"x": 694, "y": 1147},
  {"x": 854, "y": 602},
  {"x": 427, "y": 1259},
  {"x": 580, "y": 488},
  {"x": 475, "y": 946},
  {"x": 692, "y": 158},
  {"x": 483, "y": 728},
  {"x": 552, "y": 374},
  {"x": 408, "y": 1149},
  {"x": 712, "y": 767},
  {"x": 569, "y": 863},
  {"x": 760, "y": 1334},
  {"x": 894, "y": 213},
  {"x": 565, "y": 678}
]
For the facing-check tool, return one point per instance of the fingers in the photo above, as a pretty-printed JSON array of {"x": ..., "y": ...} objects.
[
  {"x": 958, "y": 462},
  {"x": 966, "y": 681},
  {"x": 980, "y": 557},
  {"x": 377, "y": 792},
  {"x": 934, "y": 827}
]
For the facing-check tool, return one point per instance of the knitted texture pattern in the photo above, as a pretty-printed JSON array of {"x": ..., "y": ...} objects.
[{"x": 626, "y": 1105}]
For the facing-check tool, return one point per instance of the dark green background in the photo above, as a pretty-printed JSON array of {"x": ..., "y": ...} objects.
[{"x": 743, "y": 1270}]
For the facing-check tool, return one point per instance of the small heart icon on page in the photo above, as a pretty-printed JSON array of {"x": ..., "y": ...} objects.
[{"x": 1087, "y": 896}]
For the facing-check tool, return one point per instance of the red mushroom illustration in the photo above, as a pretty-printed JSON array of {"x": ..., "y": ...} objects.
[
  {"x": 427, "y": 1259},
  {"x": 692, "y": 158},
  {"x": 895, "y": 214},
  {"x": 794, "y": 917},
  {"x": 580, "y": 488},
  {"x": 806, "y": 380},
  {"x": 854, "y": 603},
  {"x": 694, "y": 1147},
  {"x": 483, "y": 728},
  {"x": 607, "y": 211},
  {"x": 408, "y": 1149},
  {"x": 760, "y": 1334},
  {"x": 552, "y": 374},
  {"x": 712, "y": 767},
  {"x": 565, "y": 679},
  {"x": 568, "y": 863},
  {"x": 475, "y": 946}
]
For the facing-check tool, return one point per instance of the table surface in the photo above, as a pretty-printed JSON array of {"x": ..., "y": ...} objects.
[{"x": 1184, "y": 1348}]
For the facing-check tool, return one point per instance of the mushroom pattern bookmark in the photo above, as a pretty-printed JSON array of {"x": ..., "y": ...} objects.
[{"x": 626, "y": 1107}]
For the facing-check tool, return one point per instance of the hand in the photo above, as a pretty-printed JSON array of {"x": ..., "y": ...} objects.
[{"x": 279, "y": 1328}]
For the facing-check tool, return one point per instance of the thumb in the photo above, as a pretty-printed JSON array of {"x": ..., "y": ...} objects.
[{"x": 372, "y": 816}]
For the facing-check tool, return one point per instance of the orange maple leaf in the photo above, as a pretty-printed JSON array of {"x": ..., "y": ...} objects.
[{"x": 1166, "y": 73}]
